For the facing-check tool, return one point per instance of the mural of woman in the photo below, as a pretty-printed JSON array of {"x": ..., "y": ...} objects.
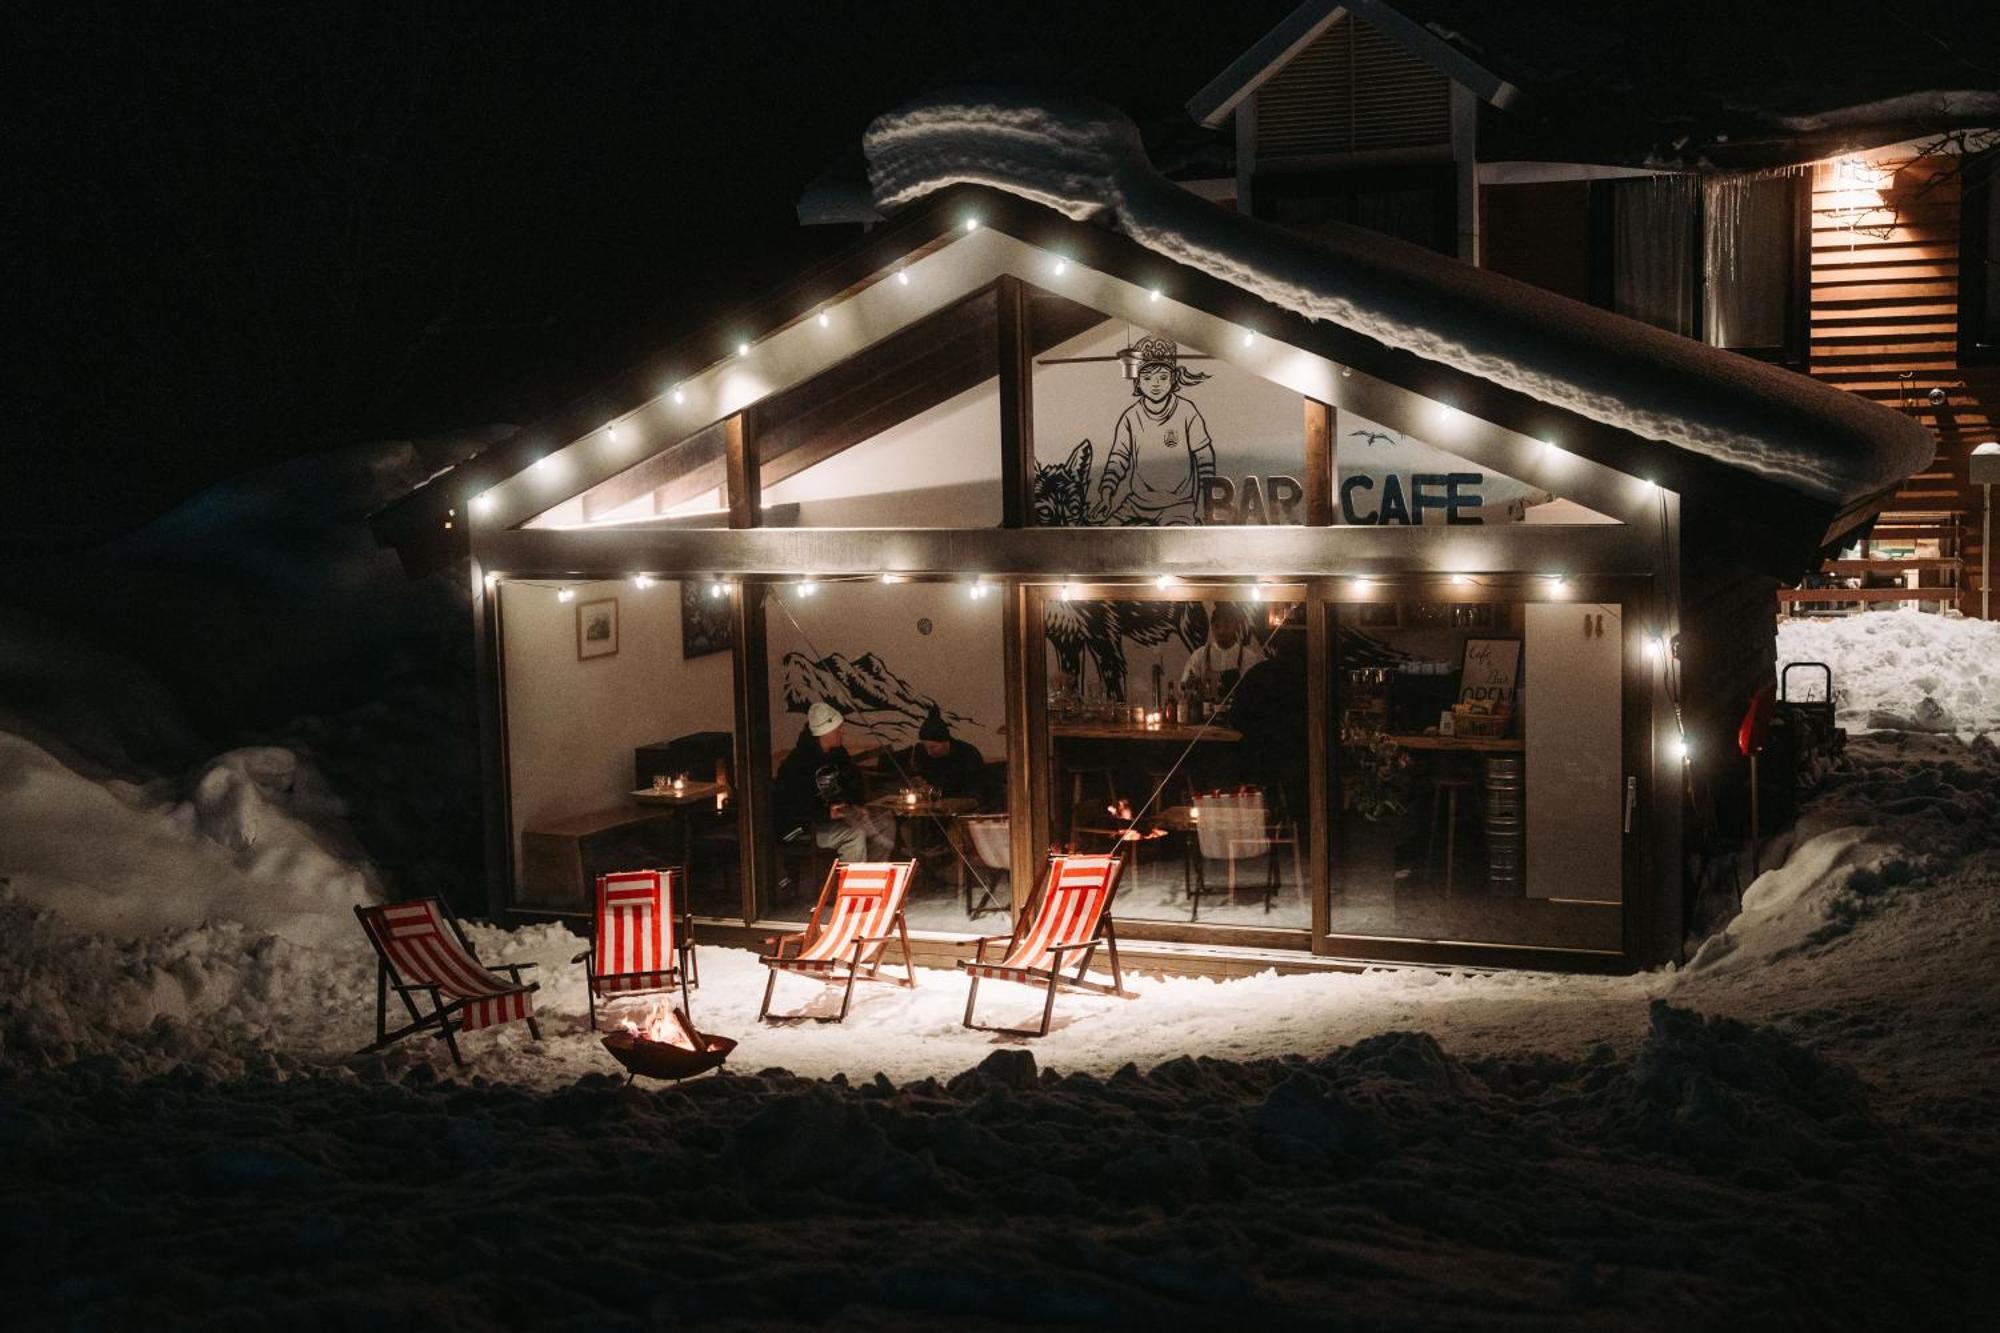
[{"x": 1160, "y": 450}]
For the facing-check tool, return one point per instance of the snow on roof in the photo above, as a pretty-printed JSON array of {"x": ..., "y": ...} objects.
[{"x": 1084, "y": 160}]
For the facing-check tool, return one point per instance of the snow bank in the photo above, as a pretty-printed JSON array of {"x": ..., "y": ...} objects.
[
  {"x": 1902, "y": 670},
  {"x": 251, "y": 838},
  {"x": 1085, "y": 160}
]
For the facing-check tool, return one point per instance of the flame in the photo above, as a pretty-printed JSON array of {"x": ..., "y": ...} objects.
[{"x": 658, "y": 1025}]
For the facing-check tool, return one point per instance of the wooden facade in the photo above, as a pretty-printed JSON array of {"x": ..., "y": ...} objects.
[{"x": 1886, "y": 325}]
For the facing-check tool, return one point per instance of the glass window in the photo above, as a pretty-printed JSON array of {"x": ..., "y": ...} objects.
[
  {"x": 1177, "y": 735},
  {"x": 1979, "y": 259},
  {"x": 905, "y": 434},
  {"x": 1384, "y": 476},
  {"x": 1749, "y": 256},
  {"x": 911, "y": 759},
  {"x": 1479, "y": 772},
  {"x": 610, "y": 689},
  {"x": 1653, "y": 251}
]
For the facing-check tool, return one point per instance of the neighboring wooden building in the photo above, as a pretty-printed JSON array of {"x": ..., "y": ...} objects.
[{"x": 1614, "y": 155}]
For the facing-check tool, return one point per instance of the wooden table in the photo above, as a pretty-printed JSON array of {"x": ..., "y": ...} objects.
[
  {"x": 1182, "y": 732},
  {"x": 691, "y": 793}
]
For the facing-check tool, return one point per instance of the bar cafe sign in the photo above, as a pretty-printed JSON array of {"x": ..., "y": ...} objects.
[{"x": 1366, "y": 498}]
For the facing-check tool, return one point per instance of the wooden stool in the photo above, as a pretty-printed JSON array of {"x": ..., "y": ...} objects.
[{"x": 1444, "y": 801}]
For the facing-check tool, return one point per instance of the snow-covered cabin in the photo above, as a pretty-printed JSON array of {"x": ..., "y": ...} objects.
[{"x": 1435, "y": 593}]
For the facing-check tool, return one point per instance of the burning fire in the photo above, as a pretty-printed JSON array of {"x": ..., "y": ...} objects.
[{"x": 662, "y": 1023}]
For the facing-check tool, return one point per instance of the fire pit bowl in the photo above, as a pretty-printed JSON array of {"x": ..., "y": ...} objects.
[{"x": 666, "y": 1059}]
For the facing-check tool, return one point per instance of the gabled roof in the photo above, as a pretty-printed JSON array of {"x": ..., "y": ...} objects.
[
  {"x": 1304, "y": 25},
  {"x": 1790, "y": 463}
]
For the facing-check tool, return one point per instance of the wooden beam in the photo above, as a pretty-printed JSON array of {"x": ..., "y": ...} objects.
[
  {"x": 1026, "y": 678},
  {"x": 1320, "y": 769},
  {"x": 742, "y": 472},
  {"x": 1322, "y": 432},
  {"x": 756, "y": 828},
  {"x": 750, "y": 674},
  {"x": 489, "y": 688},
  {"x": 1017, "y": 407}
]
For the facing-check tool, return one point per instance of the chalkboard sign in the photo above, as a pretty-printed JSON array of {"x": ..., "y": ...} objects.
[{"x": 1492, "y": 666}]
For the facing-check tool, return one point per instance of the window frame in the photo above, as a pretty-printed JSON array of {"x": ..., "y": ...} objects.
[{"x": 1793, "y": 351}]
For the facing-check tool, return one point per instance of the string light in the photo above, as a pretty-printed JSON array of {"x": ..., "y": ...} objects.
[
  {"x": 642, "y": 581},
  {"x": 743, "y": 349},
  {"x": 611, "y": 434},
  {"x": 978, "y": 590},
  {"x": 1460, "y": 579},
  {"x": 717, "y": 588},
  {"x": 902, "y": 277},
  {"x": 1446, "y": 412},
  {"x": 492, "y": 580},
  {"x": 1164, "y": 582},
  {"x": 1646, "y": 485},
  {"x": 1678, "y": 747},
  {"x": 542, "y": 463},
  {"x": 482, "y": 504},
  {"x": 1061, "y": 267},
  {"x": 565, "y": 594},
  {"x": 892, "y": 578},
  {"x": 807, "y": 587},
  {"x": 1256, "y": 592},
  {"x": 1248, "y": 337},
  {"x": 679, "y": 396},
  {"x": 972, "y": 224},
  {"x": 1557, "y": 582},
  {"x": 1656, "y": 648},
  {"x": 1153, "y": 295},
  {"x": 823, "y": 320},
  {"x": 1066, "y": 593}
]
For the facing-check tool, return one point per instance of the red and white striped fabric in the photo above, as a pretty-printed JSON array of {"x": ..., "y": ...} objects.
[
  {"x": 1079, "y": 886},
  {"x": 634, "y": 944},
  {"x": 865, "y": 902},
  {"x": 426, "y": 951}
]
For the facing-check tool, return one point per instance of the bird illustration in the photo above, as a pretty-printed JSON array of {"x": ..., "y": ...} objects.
[{"x": 1371, "y": 437}]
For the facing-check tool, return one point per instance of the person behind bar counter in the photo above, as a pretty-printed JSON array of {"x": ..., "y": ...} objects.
[
  {"x": 819, "y": 786},
  {"x": 1269, "y": 708},
  {"x": 953, "y": 766}
]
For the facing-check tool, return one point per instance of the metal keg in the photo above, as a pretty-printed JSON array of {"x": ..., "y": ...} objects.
[{"x": 1506, "y": 810}]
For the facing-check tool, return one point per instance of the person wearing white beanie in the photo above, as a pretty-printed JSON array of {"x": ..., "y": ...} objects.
[{"x": 819, "y": 786}]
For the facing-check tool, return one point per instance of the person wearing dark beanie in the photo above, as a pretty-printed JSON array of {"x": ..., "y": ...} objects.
[{"x": 953, "y": 766}]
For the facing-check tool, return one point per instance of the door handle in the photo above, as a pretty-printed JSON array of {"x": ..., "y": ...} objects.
[{"x": 1631, "y": 799}]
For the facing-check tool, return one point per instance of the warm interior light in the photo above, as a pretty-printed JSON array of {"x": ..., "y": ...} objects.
[
  {"x": 1256, "y": 592},
  {"x": 1067, "y": 592},
  {"x": 492, "y": 580},
  {"x": 565, "y": 594},
  {"x": 542, "y": 463},
  {"x": 823, "y": 320},
  {"x": 1364, "y": 582},
  {"x": 902, "y": 278},
  {"x": 1248, "y": 338},
  {"x": 1164, "y": 581},
  {"x": 716, "y": 589},
  {"x": 611, "y": 433},
  {"x": 1153, "y": 295},
  {"x": 972, "y": 224},
  {"x": 892, "y": 578},
  {"x": 1655, "y": 649},
  {"x": 1446, "y": 411},
  {"x": 482, "y": 504},
  {"x": 1678, "y": 748},
  {"x": 807, "y": 587},
  {"x": 1062, "y": 266},
  {"x": 642, "y": 581},
  {"x": 1460, "y": 579},
  {"x": 679, "y": 396},
  {"x": 743, "y": 349}
]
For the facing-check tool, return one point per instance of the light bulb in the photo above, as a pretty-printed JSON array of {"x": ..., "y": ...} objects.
[
  {"x": 1062, "y": 266},
  {"x": 807, "y": 587},
  {"x": 1153, "y": 295},
  {"x": 1460, "y": 579},
  {"x": 902, "y": 278},
  {"x": 743, "y": 349},
  {"x": 823, "y": 320},
  {"x": 642, "y": 581},
  {"x": 679, "y": 396},
  {"x": 565, "y": 594},
  {"x": 1164, "y": 581},
  {"x": 1679, "y": 748},
  {"x": 972, "y": 224},
  {"x": 716, "y": 589},
  {"x": 1249, "y": 338},
  {"x": 611, "y": 433},
  {"x": 482, "y": 504}
]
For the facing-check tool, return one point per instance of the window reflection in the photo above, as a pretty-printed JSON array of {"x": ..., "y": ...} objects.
[{"x": 1178, "y": 737}]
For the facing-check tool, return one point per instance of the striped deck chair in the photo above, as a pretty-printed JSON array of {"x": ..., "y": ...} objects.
[
  {"x": 859, "y": 905},
  {"x": 422, "y": 951},
  {"x": 639, "y": 944},
  {"x": 1071, "y": 917}
]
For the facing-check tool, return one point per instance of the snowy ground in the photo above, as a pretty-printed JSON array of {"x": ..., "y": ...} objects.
[{"x": 1795, "y": 1130}]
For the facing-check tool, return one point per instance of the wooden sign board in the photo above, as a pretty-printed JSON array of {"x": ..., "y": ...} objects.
[{"x": 1490, "y": 671}]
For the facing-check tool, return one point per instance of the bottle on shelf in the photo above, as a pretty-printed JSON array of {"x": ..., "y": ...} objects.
[{"x": 1170, "y": 710}]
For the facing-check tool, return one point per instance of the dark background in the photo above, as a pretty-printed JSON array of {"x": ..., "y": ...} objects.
[{"x": 249, "y": 231}]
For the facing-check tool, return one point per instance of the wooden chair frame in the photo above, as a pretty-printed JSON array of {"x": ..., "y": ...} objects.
[
  {"x": 685, "y": 974},
  {"x": 1055, "y": 977},
  {"x": 442, "y": 1011},
  {"x": 775, "y": 961}
]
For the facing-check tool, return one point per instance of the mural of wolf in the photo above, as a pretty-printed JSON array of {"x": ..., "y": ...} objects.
[{"x": 1062, "y": 490}]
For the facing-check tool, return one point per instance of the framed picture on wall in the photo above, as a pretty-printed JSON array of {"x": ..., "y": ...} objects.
[
  {"x": 596, "y": 629},
  {"x": 704, "y": 621}
]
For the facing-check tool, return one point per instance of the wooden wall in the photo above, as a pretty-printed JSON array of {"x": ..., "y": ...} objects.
[{"x": 1885, "y": 305}]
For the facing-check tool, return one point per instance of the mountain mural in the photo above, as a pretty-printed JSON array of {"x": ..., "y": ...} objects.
[{"x": 873, "y": 698}]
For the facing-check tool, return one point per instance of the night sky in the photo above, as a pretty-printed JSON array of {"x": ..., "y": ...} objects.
[{"x": 249, "y": 231}]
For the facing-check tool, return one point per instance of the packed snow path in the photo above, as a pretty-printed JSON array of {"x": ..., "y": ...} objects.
[{"x": 1796, "y": 1129}]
